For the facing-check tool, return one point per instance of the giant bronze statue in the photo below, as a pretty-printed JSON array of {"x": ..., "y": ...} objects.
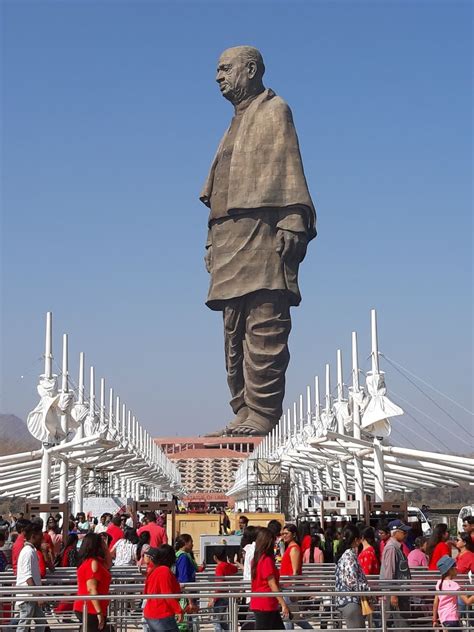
[{"x": 260, "y": 222}]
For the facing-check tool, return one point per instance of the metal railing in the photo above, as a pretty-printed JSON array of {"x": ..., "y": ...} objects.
[{"x": 315, "y": 592}]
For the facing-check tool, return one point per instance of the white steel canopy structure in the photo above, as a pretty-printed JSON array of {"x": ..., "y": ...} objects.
[
  {"x": 341, "y": 448},
  {"x": 88, "y": 448}
]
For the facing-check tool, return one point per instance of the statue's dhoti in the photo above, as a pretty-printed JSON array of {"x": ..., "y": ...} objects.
[
  {"x": 256, "y": 330},
  {"x": 254, "y": 289}
]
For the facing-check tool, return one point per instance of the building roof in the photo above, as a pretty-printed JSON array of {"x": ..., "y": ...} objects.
[
  {"x": 208, "y": 440},
  {"x": 207, "y": 453}
]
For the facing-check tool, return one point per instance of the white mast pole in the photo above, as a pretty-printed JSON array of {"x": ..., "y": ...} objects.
[
  {"x": 341, "y": 429},
  {"x": 63, "y": 468},
  {"x": 48, "y": 349},
  {"x": 295, "y": 419},
  {"x": 45, "y": 479},
  {"x": 317, "y": 403},
  {"x": 301, "y": 415},
  {"x": 328, "y": 403},
  {"x": 80, "y": 394},
  {"x": 78, "y": 492},
  {"x": 92, "y": 390},
  {"x": 379, "y": 472},
  {"x": 102, "y": 402},
  {"x": 124, "y": 421},
  {"x": 111, "y": 409},
  {"x": 123, "y": 481},
  {"x": 358, "y": 471},
  {"x": 308, "y": 405},
  {"x": 117, "y": 477},
  {"x": 117, "y": 414},
  {"x": 91, "y": 477}
]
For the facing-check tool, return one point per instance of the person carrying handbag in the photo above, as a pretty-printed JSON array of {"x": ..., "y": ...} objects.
[{"x": 350, "y": 578}]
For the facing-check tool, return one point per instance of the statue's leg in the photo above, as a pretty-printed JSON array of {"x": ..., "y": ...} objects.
[
  {"x": 234, "y": 332},
  {"x": 266, "y": 358}
]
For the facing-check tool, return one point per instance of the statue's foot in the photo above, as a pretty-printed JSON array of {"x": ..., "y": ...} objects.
[
  {"x": 255, "y": 425},
  {"x": 229, "y": 430}
]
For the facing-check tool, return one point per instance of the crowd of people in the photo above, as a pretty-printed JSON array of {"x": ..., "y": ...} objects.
[{"x": 267, "y": 554}]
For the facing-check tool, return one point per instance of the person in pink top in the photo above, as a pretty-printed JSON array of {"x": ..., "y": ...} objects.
[
  {"x": 157, "y": 534},
  {"x": 418, "y": 558},
  {"x": 314, "y": 554},
  {"x": 445, "y": 607}
]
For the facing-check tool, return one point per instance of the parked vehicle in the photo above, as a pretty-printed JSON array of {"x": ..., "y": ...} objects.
[
  {"x": 415, "y": 513},
  {"x": 465, "y": 511}
]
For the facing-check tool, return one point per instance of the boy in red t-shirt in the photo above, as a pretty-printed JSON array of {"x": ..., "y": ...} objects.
[{"x": 220, "y": 605}]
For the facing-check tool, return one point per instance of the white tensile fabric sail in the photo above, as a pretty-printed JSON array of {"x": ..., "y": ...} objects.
[
  {"x": 64, "y": 407},
  {"x": 79, "y": 413},
  {"x": 91, "y": 424},
  {"x": 328, "y": 422},
  {"x": 44, "y": 422},
  {"x": 343, "y": 414},
  {"x": 379, "y": 409},
  {"x": 358, "y": 397}
]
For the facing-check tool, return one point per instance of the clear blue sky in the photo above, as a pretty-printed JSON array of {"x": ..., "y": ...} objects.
[{"x": 111, "y": 116}]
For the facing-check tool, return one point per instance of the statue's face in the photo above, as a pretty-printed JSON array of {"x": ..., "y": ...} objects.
[{"x": 234, "y": 76}]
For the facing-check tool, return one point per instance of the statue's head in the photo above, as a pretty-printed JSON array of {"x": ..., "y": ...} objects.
[{"x": 239, "y": 73}]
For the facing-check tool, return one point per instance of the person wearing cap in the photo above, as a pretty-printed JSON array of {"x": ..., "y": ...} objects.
[
  {"x": 384, "y": 535},
  {"x": 445, "y": 607},
  {"x": 394, "y": 566}
]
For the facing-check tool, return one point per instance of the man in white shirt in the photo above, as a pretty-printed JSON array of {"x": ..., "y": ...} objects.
[
  {"x": 28, "y": 574},
  {"x": 101, "y": 527}
]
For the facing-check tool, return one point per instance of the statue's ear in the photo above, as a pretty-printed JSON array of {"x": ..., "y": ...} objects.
[{"x": 251, "y": 69}]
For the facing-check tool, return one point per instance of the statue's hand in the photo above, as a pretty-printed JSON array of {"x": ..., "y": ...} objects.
[
  {"x": 291, "y": 246},
  {"x": 208, "y": 259}
]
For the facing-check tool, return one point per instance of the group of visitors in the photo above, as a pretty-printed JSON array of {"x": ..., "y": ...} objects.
[{"x": 267, "y": 556}]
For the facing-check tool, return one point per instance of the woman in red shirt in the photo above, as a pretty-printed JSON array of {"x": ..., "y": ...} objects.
[
  {"x": 160, "y": 614},
  {"x": 368, "y": 557},
  {"x": 265, "y": 579},
  {"x": 292, "y": 560},
  {"x": 304, "y": 535},
  {"x": 465, "y": 558},
  {"x": 437, "y": 545},
  {"x": 68, "y": 557},
  {"x": 93, "y": 578},
  {"x": 292, "y": 564}
]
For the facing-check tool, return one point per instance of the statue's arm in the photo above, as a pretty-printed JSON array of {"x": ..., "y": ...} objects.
[
  {"x": 294, "y": 219},
  {"x": 292, "y": 234},
  {"x": 208, "y": 255}
]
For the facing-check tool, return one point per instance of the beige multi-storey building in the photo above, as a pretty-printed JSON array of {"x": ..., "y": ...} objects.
[{"x": 207, "y": 466}]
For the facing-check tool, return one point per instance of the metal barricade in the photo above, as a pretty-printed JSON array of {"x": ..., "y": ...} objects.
[{"x": 314, "y": 590}]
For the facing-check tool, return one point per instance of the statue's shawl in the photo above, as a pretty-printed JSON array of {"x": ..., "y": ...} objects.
[{"x": 266, "y": 169}]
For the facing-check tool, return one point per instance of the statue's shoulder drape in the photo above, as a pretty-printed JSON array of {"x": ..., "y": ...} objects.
[{"x": 266, "y": 169}]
